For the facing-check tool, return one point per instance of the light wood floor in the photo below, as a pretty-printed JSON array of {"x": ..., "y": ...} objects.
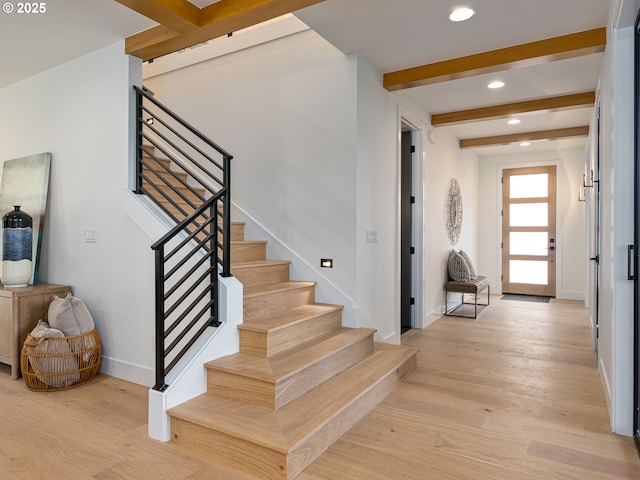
[{"x": 514, "y": 395}]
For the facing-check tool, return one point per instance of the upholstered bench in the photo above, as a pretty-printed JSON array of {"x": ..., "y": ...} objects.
[{"x": 474, "y": 287}]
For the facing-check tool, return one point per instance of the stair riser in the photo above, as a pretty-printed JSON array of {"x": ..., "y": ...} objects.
[
  {"x": 315, "y": 374},
  {"x": 228, "y": 451},
  {"x": 265, "y": 345},
  {"x": 248, "y": 252},
  {"x": 262, "y": 275},
  {"x": 316, "y": 444},
  {"x": 238, "y": 387},
  {"x": 271, "y": 303}
]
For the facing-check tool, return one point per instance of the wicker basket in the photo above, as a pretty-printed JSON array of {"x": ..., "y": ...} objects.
[{"x": 60, "y": 363}]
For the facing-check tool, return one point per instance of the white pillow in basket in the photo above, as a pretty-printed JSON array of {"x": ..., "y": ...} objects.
[
  {"x": 70, "y": 315},
  {"x": 43, "y": 330}
]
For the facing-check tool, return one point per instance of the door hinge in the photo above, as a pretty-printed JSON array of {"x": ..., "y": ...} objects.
[
  {"x": 501, "y": 244},
  {"x": 502, "y": 213},
  {"x": 412, "y": 250},
  {"x": 501, "y": 278},
  {"x": 413, "y": 149},
  {"x": 412, "y": 199},
  {"x": 412, "y": 301},
  {"x": 502, "y": 180}
]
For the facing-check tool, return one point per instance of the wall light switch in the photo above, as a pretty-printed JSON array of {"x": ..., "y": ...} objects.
[
  {"x": 372, "y": 236},
  {"x": 90, "y": 235}
]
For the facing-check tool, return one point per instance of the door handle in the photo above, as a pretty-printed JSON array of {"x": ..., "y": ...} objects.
[{"x": 631, "y": 274}]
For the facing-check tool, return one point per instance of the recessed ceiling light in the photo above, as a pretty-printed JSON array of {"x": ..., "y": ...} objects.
[
  {"x": 496, "y": 84},
  {"x": 513, "y": 121},
  {"x": 461, "y": 14},
  {"x": 525, "y": 144}
]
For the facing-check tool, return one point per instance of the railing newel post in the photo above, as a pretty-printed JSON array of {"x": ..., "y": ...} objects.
[
  {"x": 139, "y": 100},
  {"x": 159, "y": 295}
]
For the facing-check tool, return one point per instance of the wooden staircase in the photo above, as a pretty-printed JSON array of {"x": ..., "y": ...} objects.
[{"x": 299, "y": 382}]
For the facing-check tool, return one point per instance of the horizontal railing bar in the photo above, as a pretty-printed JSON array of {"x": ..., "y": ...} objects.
[
  {"x": 157, "y": 187},
  {"x": 189, "y": 219},
  {"x": 188, "y": 256},
  {"x": 187, "y": 240},
  {"x": 147, "y": 192},
  {"x": 191, "y": 271},
  {"x": 166, "y": 168},
  {"x": 202, "y": 137},
  {"x": 180, "y": 136},
  {"x": 190, "y": 325},
  {"x": 189, "y": 344},
  {"x": 188, "y": 308},
  {"x": 186, "y": 155}
]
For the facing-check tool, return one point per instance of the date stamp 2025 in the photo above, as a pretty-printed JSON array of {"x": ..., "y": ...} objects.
[{"x": 24, "y": 8}]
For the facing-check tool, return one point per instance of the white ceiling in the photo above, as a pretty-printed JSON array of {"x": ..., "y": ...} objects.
[{"x": 391, "y": 34}]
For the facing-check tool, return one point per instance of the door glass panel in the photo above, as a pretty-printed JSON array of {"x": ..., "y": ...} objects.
[
  {"x": 529, "y": 186},
  {"x": 528, "y": 271},
  {"x": 528, "y": 243},
  {"x": 529, "y": 214}
]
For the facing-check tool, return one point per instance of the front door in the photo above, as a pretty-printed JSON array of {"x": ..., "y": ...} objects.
[{"x": 529, "y": 231}]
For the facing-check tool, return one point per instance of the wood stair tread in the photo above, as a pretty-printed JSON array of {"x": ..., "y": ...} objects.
[
  {"x": 258, "y": 290},
  {"x": 283, "y": 320},
  {"x": 286, "y": 428},
  {"x": 281, "y": 366}
]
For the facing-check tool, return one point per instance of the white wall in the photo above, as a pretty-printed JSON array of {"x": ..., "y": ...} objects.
[
  {"x": 79, "y": 112},
  {"x": 443, "y": 161},
  {"x": 570, "y": 215}
]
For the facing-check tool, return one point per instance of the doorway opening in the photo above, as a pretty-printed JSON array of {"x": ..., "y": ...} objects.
[
  {"x": 529, "y": 231},
  {"x": 410, "y": 225}
]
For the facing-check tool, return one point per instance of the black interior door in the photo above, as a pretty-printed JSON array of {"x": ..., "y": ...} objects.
[{"x": 406, "y": 248}]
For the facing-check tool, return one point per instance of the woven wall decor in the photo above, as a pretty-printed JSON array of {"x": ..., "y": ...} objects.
[{"x": 453, "y": 211}]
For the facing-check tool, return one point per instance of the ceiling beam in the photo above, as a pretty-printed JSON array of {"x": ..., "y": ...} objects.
[
  {"x": 525, "y": 137},
  {"x": 177, "y": 15},
  {"x": 552, "y": 104},
  {"x": 216, "y": 20},
  {"x": 534, "y": 53}
]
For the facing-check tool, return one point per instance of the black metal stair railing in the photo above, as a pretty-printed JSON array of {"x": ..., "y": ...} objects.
[{"x": 188, "y": 176}]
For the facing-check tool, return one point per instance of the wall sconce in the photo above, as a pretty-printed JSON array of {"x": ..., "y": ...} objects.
[
  {"x": 581, "y": 192},
  {"x": 584, "y": 180},
  {"x": 581, "y": 195}
]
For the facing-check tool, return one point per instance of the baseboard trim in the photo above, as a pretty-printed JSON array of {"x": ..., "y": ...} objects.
[{"x": 130, "y": 372}]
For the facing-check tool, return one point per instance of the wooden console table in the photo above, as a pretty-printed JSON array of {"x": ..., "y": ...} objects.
[{"x": 20, "y": 310}]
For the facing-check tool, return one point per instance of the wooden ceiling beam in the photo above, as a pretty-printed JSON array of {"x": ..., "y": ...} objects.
[
  {"x": 177, "y": 15},
  {"x": 534, "y": 53},
  {"x": 218, "y": 19},
  {"x": 552, "y": 104},
  {"x": 525, "y": 137}
]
